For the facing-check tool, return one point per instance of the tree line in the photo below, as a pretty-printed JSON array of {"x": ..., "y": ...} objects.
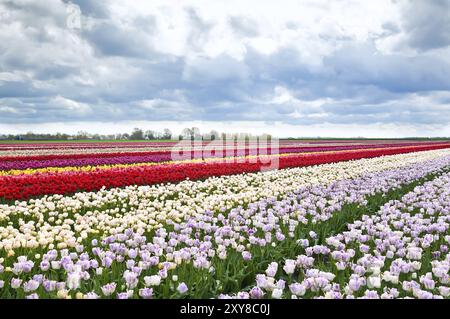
[{"x": 189, "y": 133}]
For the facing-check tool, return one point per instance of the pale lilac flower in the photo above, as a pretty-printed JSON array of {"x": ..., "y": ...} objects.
[
  {"x": 289, "y": 266},
  {"x": 371, "y": 294},
  {"x": 109, "y": 289},
  {"x": 279, "y": 236},
  {"x": 444, "y": 291},
  {"x": 182, "y": 288},
  {"x": 79, "y": 248},
  {"x": 246, "y": 255},
  {"x": 30, "y": 285},
  {"x": 44, "y": 265},
  {"x": 277, "y": 293},
  {"x": 39, "y": 278},
  {"x": 15, "y": 283},
  {"x": 256, "y": 293},
  {"x": 91, "y": 295},
  {"x": 60, "y": 285},
  {"x": 280, "y": 284},
  {"x": 93, "y": 264},
  {"x": 163, "y": 273},
  {"x": 303, "y": 242},
  {"x": 428, "y": 281},
  {"x": 243, "y": 295},
  {"x": 422, "y": 294},
  {"x": 49, "y": 285},
  {"x": 272, "y": 269},
  {"x": 297, "y": 289},
  {"x": 130, "y": 263},
  {"x": 131, "y": 279},
  {"x": 132, "y": 253},
  {"x": 341, "y": 265},
  {"x": 122, "y": 295},
  {"x": 364, "y": 248},
  {"x": 146, "y": 293}
]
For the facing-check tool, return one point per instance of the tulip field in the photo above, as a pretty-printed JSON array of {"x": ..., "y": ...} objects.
[{"x": 335, "y": 219}]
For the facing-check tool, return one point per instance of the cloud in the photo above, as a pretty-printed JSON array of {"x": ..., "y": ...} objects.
[
  {"x": 115, "y": 40},
  {"x": 364, "y": 65},
  {"x": 244, "y": 26},
  {"x": 68, "y": 105},
  {"x": 96, "y": 9},
  {"x": 297, "y": 63},
  {"x": 427, "y": 24}
]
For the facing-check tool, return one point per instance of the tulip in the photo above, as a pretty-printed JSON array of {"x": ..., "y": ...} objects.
[{"x": 182, "y": 288}]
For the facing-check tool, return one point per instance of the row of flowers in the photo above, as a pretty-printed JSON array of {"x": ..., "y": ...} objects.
[
  {"x": 63, "y": 151},
  {"x": 400, "y": 252},
  {"x": 79, "y": 150},
  {"x": 85, "y": 145},
  {"x": 212, "y": 252},
  {"x": 221, "y": 148},
  {"x": 28, "y": 186},
  {"x": 118, "y": 145},
  {"x": 25, "y": 150}
]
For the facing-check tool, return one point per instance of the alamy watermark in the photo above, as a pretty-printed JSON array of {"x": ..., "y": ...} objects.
[
  {"x": 73, "y": 20},
  {"x": 230, "y": 149}
]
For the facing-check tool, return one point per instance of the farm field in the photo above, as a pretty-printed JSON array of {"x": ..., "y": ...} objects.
[{"x": 305, "y": 219}]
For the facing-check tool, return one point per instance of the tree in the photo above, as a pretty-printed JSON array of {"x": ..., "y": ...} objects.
[
  {"x": 191, "y": 133},
  {"x": 187, "y": 133},
  {"x": 150, "y": 135},
  {"x": 82, "y": 135},
  {"x": 137, "y": 134},
  {"x": 196, "y": 133},
  {"x": 167, "y": 135},
  {"x": 214, "y": 135}
]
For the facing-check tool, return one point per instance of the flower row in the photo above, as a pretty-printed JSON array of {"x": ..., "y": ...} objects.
[
  {"x": 118, "y": 145},
  {"x": 218, "y": 147},
  {"x": 63, "y": 151},
  {"x": 76, "y": 145}
]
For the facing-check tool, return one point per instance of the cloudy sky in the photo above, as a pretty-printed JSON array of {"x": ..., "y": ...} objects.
[{"x": 290, "y": 68}]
